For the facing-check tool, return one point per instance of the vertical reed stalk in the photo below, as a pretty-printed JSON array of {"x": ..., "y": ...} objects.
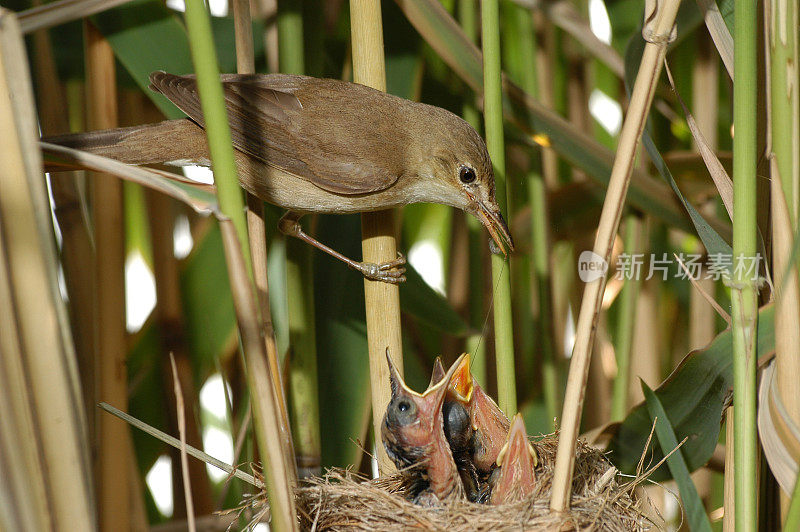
[
  {"x": 256, "y": 231},
  {"x": 42, "y": 426},
  {"x": 744, "y": 306},
  {"x": 501, "y": 279},
  {"x": 278, "y": 465},
  {"x": 533, "y": 71},
  {"x": 113, "y": 452},
  {"x": 377, "y": 231},
  {"x": 626, "y": 323},
  {"x": 278, "y": 460},
  {"x": 781, "y": 20},
  {"x": 641, "y": 98},
  {"x": 70, "y": 210},
  {"x": 468, "y": 17},
  {"x": 303, "y": 392},
  {"x": 204, "y": 58},
  {"x": 243, "y": 36}
]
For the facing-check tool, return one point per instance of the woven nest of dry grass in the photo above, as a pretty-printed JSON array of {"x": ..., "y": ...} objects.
[{"x": 342, "y": 500}]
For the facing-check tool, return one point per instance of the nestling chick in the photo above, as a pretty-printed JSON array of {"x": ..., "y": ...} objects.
[
  {"x": 489, "y": 424},
  {"x": 515, "y": 478},
  {"x": 459, "y": 434},
  {"x": 413, "y": 435}
]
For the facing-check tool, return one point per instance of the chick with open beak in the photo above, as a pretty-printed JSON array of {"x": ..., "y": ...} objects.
[
  {"x": 413, "y": 436},
  {"x": 489, "y": 424},
  {"x": 515, "y": 476},
  {"x": 459, "y": 434}
]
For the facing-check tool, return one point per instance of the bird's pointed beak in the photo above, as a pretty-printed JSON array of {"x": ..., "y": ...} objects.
[
  {"x": 517, "y": 447},
  {"x": 492, "y": 220},
  {"x": 431, "y": 401},
  {"x": 438, "y": 372},
  {"x": 396, "y": 382},
  {"x": 461, "y": 383},
  {"x": 439, "y": 390}
]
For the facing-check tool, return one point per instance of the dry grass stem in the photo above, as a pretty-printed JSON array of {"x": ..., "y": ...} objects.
[
  {"x": 270, "y": 432},
  {"x": 187, "y": 484},
  {"x": 719, "y": 32},
  {"x": 721, "y": 178},
  {"x": 63, "y": 11},
  {"x": 174, "y": 442},
  {"x": 713, "y": 302}
]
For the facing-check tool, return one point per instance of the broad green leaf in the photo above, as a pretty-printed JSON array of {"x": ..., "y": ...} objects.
[
  {"x": 343, "y": 363},
  {"x": 207, "y": 303},
  {"x": 693, "y": 396},
  {"x": 146, "y": 393},
  {"x": 418, "y": 299},
  {"x": 147, "y": 36},
  {"x": 698, "y": 520}
]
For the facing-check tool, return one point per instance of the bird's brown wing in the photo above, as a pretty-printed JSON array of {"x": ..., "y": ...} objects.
[{"x": 269, "y": 121}]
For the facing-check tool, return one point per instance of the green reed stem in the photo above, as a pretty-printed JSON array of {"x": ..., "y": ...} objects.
[
  {"x": 501, "y": 279},
  {"x": 212, "y": 101},
  {"x": 626, "y": 320},
  {"x": 744, "y": 305}
]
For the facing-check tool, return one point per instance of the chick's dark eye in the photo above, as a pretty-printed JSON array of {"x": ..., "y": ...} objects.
[
  {"x": 466, "y": 174},
  {"x": 403, "y": 406}
]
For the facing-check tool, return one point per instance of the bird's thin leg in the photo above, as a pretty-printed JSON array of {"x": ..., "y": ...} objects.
[{"x": 388, "y": 272}]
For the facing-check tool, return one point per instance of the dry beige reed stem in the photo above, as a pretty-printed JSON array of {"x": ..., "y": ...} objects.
[
  {"x": 377, "y": 231},
  {"x": 266, "y": 413},
  {"x": 63, "y": 11},
  {"x": 45, "y": 474},
  {"x": 114, "y": 451},
  {"x": 256, "y": 230},
  {"x": 641, "y": 98}
]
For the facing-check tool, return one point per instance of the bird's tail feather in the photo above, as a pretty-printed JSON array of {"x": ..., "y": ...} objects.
[{"x": 163, "y": 142}]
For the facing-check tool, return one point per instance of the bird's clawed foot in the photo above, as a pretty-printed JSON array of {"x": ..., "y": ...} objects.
[{"x": 391, "y": 272}]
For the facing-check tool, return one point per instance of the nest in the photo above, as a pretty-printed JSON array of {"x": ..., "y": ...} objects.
[{"x": 342, "y": 500}]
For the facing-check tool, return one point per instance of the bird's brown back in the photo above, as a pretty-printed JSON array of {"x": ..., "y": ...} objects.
[{"x": 343, "y": 137}]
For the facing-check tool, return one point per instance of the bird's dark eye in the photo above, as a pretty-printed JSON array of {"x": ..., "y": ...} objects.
[
  {"x": 466, "y": 174},
  {"x": 403, "y": 406}
]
